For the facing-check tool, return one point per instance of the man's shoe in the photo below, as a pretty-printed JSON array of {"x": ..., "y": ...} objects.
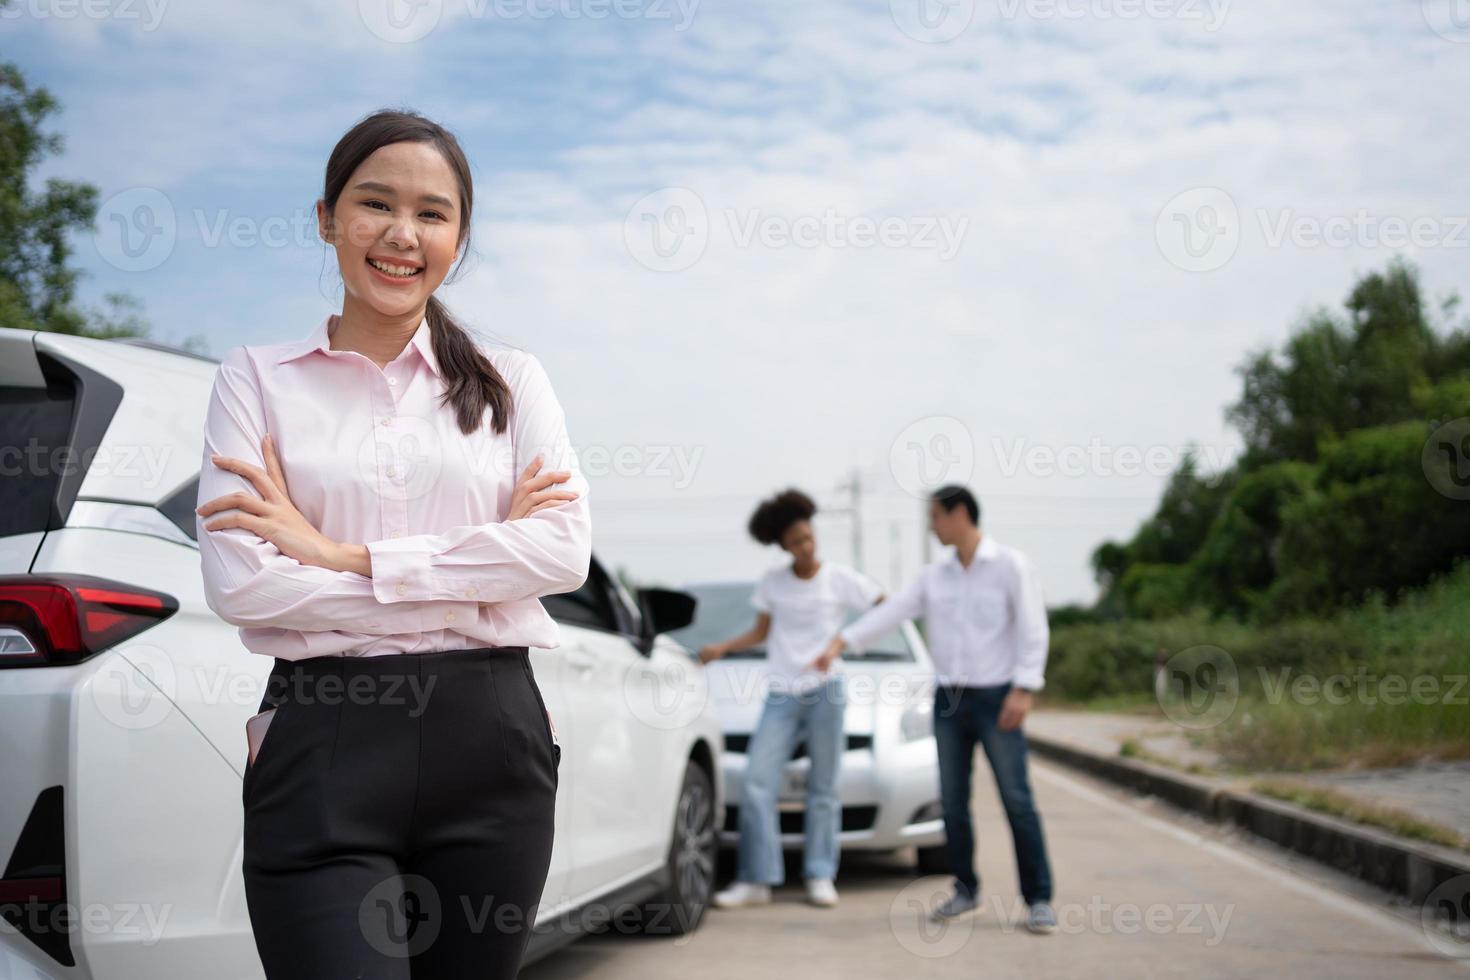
[
  {"x": 742, "y": 893},
  {"x": 821, "y": 891},
  {"x": 957, "y": 904},
  {"x": 1042, "y": 920}
]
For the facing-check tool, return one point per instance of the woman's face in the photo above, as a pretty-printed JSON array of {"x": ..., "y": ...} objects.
[
  {"x": 399, "y": 209},
  {"x": 800, "y": 542}
]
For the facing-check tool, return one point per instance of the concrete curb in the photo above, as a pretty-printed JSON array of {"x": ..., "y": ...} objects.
[{"x": 1406, "y": 868}]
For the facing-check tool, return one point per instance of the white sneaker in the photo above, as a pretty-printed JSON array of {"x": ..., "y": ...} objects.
[
  {"x": 742, "y": 893},
  {"x": 821, "y": 891}
]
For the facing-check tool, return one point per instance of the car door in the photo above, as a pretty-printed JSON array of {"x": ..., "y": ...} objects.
[
  {"x": 551, "y": 678},
  {"x": 602, "y": 744}
]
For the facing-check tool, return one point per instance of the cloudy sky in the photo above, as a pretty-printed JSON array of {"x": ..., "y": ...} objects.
[{"x": 1021, "y": 244}]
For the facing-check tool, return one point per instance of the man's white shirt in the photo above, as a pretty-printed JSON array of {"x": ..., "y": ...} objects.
[{"x": 985, "y": 625}]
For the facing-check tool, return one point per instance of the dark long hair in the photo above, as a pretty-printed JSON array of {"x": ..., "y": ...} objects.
[{"x": 471, "y": 380}]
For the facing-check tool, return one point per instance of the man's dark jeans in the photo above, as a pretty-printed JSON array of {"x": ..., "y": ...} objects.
[{"x": 963, "y": 716}]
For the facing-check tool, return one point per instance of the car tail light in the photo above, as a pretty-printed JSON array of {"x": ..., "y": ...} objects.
[{"x": 54, "y": 620}]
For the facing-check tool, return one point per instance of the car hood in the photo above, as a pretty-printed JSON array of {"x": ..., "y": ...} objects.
[{"x": 737, "y": 688}]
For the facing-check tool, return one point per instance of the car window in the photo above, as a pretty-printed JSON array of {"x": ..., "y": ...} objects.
[
  {"x": 589, "y": 605},
  {"x": 39, "y": 417}
]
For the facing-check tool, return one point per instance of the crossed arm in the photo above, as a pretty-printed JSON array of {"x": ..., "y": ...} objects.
[{"x": 265, "y": 565}]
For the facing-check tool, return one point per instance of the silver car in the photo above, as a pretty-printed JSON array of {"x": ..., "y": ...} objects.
[{"x": 889, "y": 777}]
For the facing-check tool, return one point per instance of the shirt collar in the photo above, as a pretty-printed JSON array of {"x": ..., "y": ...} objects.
[
  {"x": 987, "y": 550},
  {"x": 320, "y": 340}
]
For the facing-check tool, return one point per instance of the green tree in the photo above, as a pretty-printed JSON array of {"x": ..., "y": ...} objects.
[
  {"x": 37, "y": 283},
  {"x": 1336, "y": 497}
]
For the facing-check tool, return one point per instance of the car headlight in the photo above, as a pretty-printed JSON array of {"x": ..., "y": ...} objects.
[{"x": 917, "y": 721}]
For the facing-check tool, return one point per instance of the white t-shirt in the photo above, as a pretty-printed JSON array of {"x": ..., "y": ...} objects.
[{"x": 805, "y": 615}]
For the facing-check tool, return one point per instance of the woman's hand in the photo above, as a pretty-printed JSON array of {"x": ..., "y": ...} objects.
[
  {"x": 529, "y": 497},
  {"x": 712, "y": 651},
  {"x": 823, "y": 661},
  {"x": 271, "y": 515}
]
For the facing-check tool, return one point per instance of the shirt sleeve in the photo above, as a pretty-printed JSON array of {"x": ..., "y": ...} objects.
[
  {"x": 545, "y": 553},
  {"x": 886, "y": 615},
  {"x": 761, "y": 597},
  {"x": 861, "y": 590},
  {"x": 248, "y": 582},
  {"x": 1032, "y": 631}
]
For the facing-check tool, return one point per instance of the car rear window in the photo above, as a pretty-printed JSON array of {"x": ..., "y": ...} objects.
[{"x": 35, "y": 424}]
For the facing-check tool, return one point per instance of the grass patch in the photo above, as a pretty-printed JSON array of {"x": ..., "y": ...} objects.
[
  {"x": 1379, "y": 685},
  {"x": 1334, "y": 803},
  {"x": 1131, "y": 748}
]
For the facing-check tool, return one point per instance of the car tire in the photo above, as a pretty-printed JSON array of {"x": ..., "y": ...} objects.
[
  {"x": 691, "y": 862},
  {"x": 932, "y": 860}
]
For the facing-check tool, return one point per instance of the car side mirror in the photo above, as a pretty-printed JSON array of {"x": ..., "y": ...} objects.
[{"x": 664, "y": 610}]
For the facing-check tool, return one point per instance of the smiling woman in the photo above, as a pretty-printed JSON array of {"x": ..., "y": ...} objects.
[{"x": 372, "y": 531}]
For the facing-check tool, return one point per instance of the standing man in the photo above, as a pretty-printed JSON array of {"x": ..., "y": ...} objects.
[{"x": 987, "y": 632}]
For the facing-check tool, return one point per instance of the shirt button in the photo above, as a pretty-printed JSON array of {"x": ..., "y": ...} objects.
[
  {"x": 388, "y": 420},
  {"x": 391, "y": 471},
  {"x": 449, "y": 617},
  {"x": 472, "y": 592},
  {"x": 392, "y": 381},
  {"x": 392, "y": 534},
  {"x": 402, "y": 589}
]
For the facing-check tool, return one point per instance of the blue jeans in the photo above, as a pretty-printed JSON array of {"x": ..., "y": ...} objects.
[
  {"x": 963, "y": 716},
  {"x": 816, "y": 717}
]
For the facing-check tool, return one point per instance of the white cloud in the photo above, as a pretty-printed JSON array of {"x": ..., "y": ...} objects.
[{"x": 1059, "y": 320}]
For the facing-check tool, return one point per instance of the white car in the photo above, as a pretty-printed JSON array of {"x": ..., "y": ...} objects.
[
  {"x": 123, "y": 699},
  {"x": 888, "y": 780}
]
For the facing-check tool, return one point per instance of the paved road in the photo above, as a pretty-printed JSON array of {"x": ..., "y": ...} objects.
[{"x": 1141, "y": 892}]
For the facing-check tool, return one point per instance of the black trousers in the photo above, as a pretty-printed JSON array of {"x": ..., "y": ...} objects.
[{"x": 399, "y": 815}]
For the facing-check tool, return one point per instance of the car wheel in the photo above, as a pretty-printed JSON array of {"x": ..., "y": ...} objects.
[
  {"x": 932, "y": 860},
  {"x": 691, "y": 863}
]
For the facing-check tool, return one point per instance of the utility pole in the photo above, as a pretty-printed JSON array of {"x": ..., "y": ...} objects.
[
  {"x": 893, "y": 541},
  {"x": 924, "y": 531},
  {"x": 854, "y": 486}
]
